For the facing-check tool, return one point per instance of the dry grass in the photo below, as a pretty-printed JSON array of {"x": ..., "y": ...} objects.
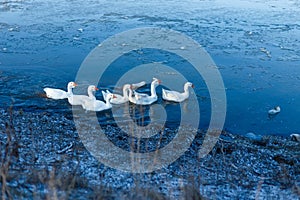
[
  {"x": 60, "y": 184},
  {"x": 10, "y": 151}
]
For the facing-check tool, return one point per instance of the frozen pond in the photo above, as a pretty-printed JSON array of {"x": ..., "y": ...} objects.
[{"x": 255, "y": 45}]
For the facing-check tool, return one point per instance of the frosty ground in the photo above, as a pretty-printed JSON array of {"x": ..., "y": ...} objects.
[{"x": 42, "y": 156}]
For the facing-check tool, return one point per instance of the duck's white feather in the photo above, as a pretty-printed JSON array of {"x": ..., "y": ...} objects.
[
  {"x": 120, "y": 99},
  {"x": 54, "y": 93},
  {"x": 144, "y": 99},
  {"x": 96, "y": 105},
  {"x": 175, "y": 96},
  {"x": 77, "y": 100}
]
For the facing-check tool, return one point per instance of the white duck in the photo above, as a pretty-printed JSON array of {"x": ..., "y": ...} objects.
[
  {"x": 54, "y": 93},
  {"x": 119, "y": 99},
  {"x": 274, "y": 111},
  {"x": 177, "y": 96},
  {"x": 144, "y": 99},
  {"x": 96, "y": 105},
  {"x": 77, "y": 100}
]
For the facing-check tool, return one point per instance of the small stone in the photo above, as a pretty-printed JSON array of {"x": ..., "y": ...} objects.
[
  {"x": 253, "y": 136},
  {"x": 295, "y": 137}
]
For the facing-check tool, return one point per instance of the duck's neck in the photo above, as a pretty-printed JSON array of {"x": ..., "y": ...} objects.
[
  {"x": 91, "y": 94},
  {"x": 125, "y": 91},
  {"x": 186, "y": 89},
  {"x": 129, "y": 93},
  {"x": 153, "y": 91},
  {"x": 69, "y": 91},
  {"x": 108, "y": 104}
]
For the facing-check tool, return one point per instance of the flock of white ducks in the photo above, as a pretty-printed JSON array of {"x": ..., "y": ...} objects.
[{"x": 90, "y": 103}]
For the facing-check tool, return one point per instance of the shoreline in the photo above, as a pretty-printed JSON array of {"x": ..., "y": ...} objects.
[{"x": 48, "y": 158}]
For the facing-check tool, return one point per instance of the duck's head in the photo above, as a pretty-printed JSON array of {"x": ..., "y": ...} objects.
[
  {"x": 72, "y": 84},
  {"x": 93, "y": 88},
  {"x": 156, "y": 81},
  {"x": 189, "y": 84},
  {"x": 111, "y": 96},
  {"x": 127, "y": 86}
]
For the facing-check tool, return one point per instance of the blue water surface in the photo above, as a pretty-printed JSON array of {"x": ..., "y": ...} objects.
[{"x": 255, "y": 45}]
